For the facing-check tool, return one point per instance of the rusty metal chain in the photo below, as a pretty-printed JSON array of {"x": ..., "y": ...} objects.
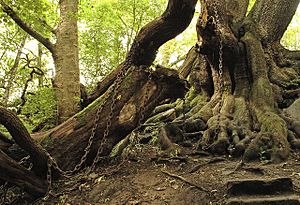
[
  {"x": 49, "y": 174},
  {"x": 4, "y": 197},
  {"x": 145, "y": 98},
  {"x": 67, "y": 174},
  {"x": 118, "y": 82},
  {"x": 216, "y": 22},
  {"x": 24, "y": 160},
  {"x": 120, "y": 77},
  {"x": 113, "y": 91}
]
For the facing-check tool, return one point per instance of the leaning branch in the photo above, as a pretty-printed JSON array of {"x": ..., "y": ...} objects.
[
  {"x": 14, "y": 173},
  {"x": 9, "y": 11},
  {"x": 173, "y": 21},
  {"x": 21, "y": 136}
]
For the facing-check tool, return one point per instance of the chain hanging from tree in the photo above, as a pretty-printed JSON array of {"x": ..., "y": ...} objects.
[
  {"x": 145, "y": 98},
  {"x": 216, "y": 22},
  {"x": 113, "y": 93}
]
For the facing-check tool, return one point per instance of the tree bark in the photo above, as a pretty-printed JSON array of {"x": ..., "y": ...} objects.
[
  {"x": 66, "y": 81},
  {"x": 172, "y": 22},
  {"x": 21, "y": 136},
  {"x": 269, "y": 27},
  {"x": 14, "y": 173},
  {"x": 68, "y": 149},
  {"x": 240, "y": 55}
]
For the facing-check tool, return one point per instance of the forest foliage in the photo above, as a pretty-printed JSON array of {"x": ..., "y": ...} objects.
[{"x": 106, "y": 30}]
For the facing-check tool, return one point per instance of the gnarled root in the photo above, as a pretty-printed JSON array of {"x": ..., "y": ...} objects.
[
  {"x": 271, "y": 143},
  {"x": 252, "y": 135}
]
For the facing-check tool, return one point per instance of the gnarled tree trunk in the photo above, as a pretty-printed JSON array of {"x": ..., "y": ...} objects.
[{"x": 244, "y": 71}]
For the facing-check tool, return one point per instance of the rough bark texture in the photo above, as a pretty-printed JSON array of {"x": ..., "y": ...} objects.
[
  {"x": 68, "y": 141},
  {"x": 172, "y": 22},
  {"x": 239, "y": 75},
  {"x": 14, "y": 173},
  {"x": 268, "y": 26},
  {"x": 239, "y": 55},
  {"x": 21, "y": 136},
  {"x": 66, "y": 81}
]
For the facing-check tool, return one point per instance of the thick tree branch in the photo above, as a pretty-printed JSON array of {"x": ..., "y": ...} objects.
[
  {"x": 284, "y": 57},
  {"x": 21, "y": 136},
  {"x": 45, "y": 41},
  {"x": 14, "y": 173},
  {"x": 266, "y": 15},
  {"x": 172, "y": 22}
]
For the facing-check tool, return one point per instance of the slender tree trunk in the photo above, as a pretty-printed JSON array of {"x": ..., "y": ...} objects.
[
  {"x": 65, "y": 55},
  {"x": 12, "y": 73},
  {"x": 40, "y": 65}
]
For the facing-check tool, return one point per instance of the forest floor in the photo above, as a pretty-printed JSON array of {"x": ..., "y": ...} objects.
[{"x": 145, "y": 178}]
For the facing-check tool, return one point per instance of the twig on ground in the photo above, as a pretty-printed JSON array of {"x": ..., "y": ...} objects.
[
  {"x": 238, "y": 166},
  {"x": 185, "y": 180}
]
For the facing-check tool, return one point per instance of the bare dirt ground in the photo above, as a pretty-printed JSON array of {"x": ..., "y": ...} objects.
[{"x": 145, "y": 178}]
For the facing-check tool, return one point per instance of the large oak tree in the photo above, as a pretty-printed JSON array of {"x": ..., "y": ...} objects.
[{"x": 241, "y": 78}]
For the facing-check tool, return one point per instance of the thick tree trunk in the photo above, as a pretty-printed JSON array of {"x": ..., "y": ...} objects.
[
  {"x": 68, "y": 141},
  {"x": 268, "y": 26},
  {"x": 65, "y": 55},
  {"x": 238, "y": 61},
  {"x": 239, "y": 77}
]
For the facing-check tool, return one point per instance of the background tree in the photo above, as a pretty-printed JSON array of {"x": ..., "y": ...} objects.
[{"x": 31, "y": 18}]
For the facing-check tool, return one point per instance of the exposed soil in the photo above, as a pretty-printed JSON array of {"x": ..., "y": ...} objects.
[{"x": 144, "y": 178}]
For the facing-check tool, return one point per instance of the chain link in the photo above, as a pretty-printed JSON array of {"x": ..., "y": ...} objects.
[
  {"x": 216, "y": 21},
  {"x": 67, "y": 174},
  {"x": 118, "y": 82},
  {"x": 113, "y": 90},
  {"x": 145, "y": 98},
  {"x": 120, "y": 77},
  {"x": 5, "y": 189},
  {"x": 49, "y": 174}
]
